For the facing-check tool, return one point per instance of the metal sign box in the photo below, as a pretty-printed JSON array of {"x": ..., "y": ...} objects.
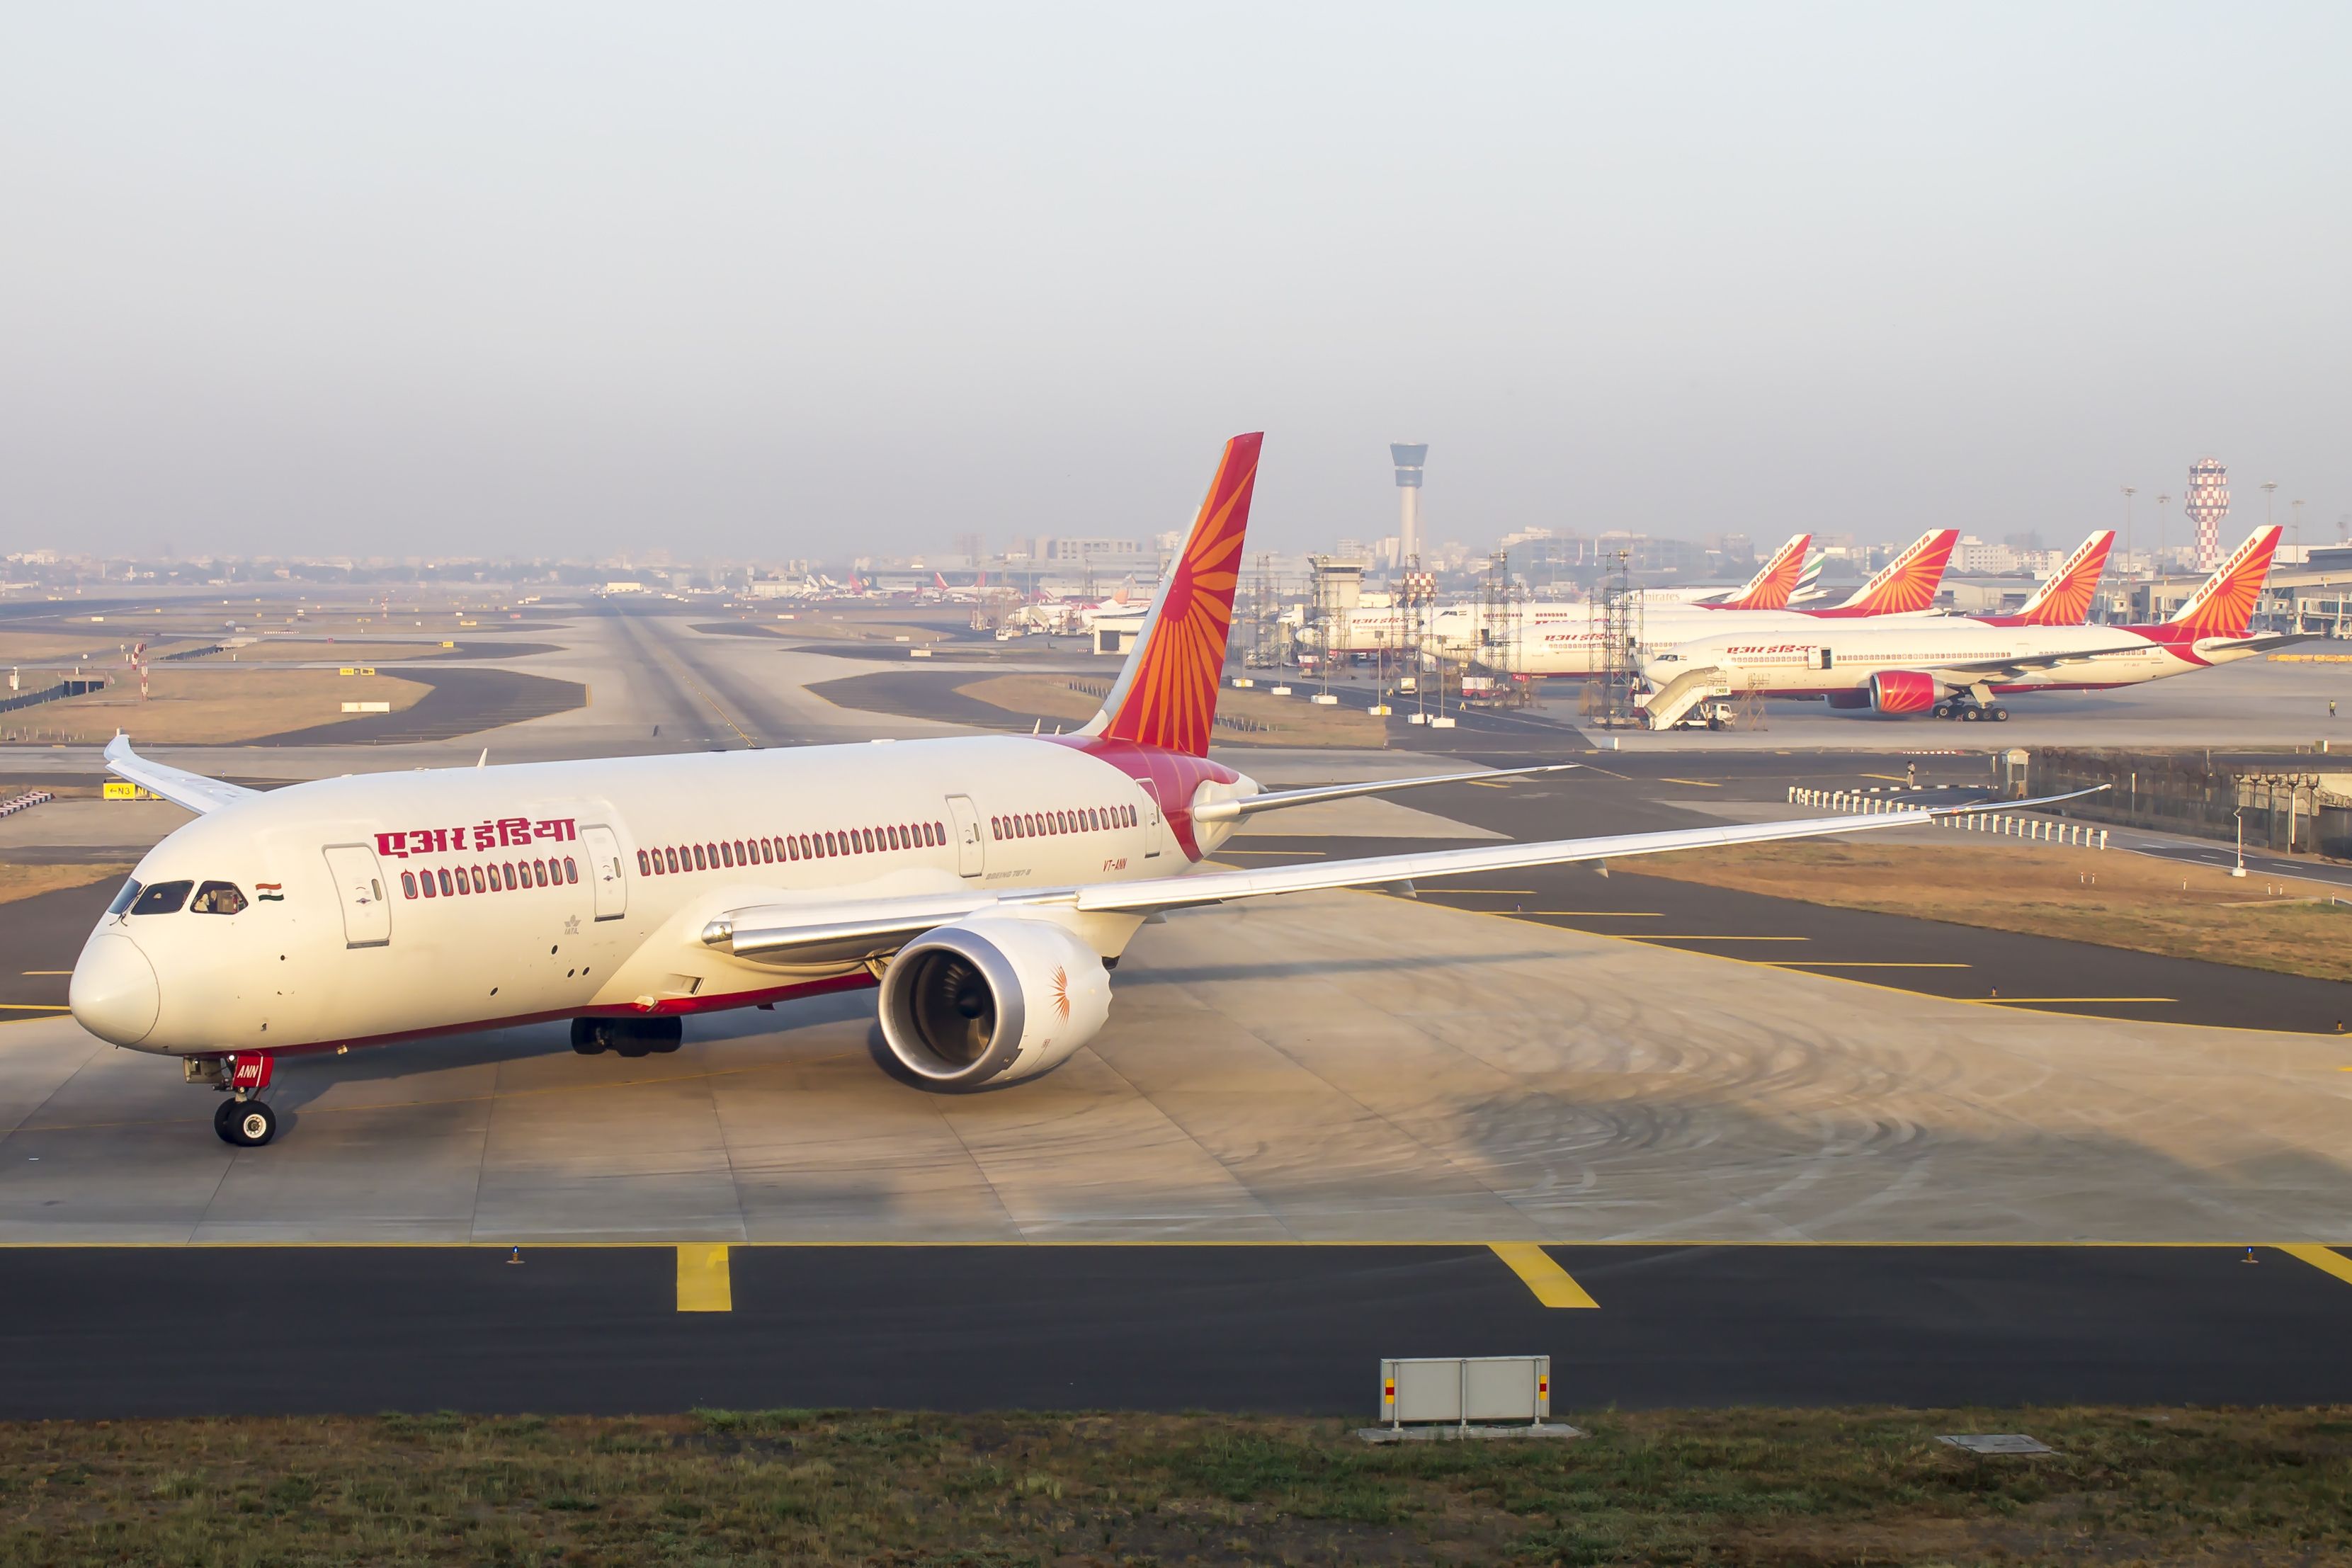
[{"x": 1466, "y": 1389}]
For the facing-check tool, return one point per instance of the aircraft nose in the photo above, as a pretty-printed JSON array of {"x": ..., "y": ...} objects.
[{"x": 113, "y": 993}]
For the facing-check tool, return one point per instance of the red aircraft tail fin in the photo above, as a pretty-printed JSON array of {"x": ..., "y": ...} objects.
[
  {"x": 2224, "y": 606},
  {"x": 1774, "y": 580},
  {"x": 1908, "y": 583},
  {"x": 2065, "y": 599},
  {"x": 1167, "y": 694}
]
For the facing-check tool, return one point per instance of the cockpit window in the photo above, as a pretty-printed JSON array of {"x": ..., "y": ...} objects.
[
  {"x": 218, "y": 898},
  {"x": 162, "y": 899},
  {"x": 121, "y": 904}
]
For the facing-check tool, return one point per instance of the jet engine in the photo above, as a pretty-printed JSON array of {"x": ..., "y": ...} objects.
[
  {"x": 1902, "y": 691},
  {"x": 992, "y": 1001}
]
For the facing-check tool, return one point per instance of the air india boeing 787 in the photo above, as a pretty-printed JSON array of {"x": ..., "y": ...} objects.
[{"x": 986, "y": 885}]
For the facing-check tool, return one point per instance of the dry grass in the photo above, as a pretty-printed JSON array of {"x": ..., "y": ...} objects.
[
  {"x": 1288, "y": 721},
  {"x": 216, "y": 704},
  {"x": 2108, "y": 897},
  {"x": 1719, "y": 1486},
  {"x": 30, "y": 881},
  {"x": 277, "y": 649}
]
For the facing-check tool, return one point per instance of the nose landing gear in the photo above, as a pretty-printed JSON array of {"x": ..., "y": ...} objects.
[{"x": 242, "y": 1119}]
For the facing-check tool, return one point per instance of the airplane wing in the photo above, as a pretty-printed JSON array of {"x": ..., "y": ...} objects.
[
  {"x": 801, "y": 934},
  {"x": 192, "y": 792},
  {"x": 1967, "y": 670},
  {"x": 1276, "y": 799}
]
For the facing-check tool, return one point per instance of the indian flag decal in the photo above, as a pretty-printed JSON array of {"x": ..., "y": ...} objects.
[{"x": 270, "y": 892}]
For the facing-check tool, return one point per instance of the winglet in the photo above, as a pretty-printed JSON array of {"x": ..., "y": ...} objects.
[
  {"x": 1167, "y": 694},
  {"x": 2065, "y": 600},
  {"x": 1774, "y": 580},
  {"x": 192, "y": 792},
  {"x": 2224, "y": 605},
  {"x": 1907, "y": 585}
]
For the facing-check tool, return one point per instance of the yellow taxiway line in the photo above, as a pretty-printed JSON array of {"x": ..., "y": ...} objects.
[
  {"x": 1860, "y": 963},
  {"x": 2029, "y": 1001},
  {"x": 2327, "y": 1259},
  {"x": 704, "y": 1283},
  {"x": 1653, "y": 936},
  {"x": 1551, "y": 1283}
]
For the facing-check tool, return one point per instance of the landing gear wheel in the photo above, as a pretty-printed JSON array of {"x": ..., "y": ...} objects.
[
  {"x": 1943, "y": 709},
  {"x": 1997, "y": 714},
  {"x": 247, "y": 1123},
  {"x": 1970, "y": 715},
  {"x": 590, "y": 1037}
]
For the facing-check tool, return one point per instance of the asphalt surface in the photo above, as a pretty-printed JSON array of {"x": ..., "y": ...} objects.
[
  {"x": 461, "y": 703},
  {"x": 120, "y": 1332}
]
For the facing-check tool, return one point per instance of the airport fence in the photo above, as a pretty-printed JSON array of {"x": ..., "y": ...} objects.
[
  {"x": 2285, "y": 811},
  {"x": 2039, "y": 829},
  {"x": 78, "y": 686}
]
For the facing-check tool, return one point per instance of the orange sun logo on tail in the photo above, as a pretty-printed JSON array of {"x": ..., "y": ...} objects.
[{"x": 1167, "y": 695}]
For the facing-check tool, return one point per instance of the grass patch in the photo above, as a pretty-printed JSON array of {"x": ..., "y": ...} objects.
[
  {"x": 30, "y": 881},
  {"x": 212, "y": 703},
  {"x": 1750, "y": 1487},
  {"x": 1286, "y": 720},
  {"x": 2136, "y": 902}
]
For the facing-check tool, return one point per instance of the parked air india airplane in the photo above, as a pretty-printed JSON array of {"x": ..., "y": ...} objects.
[
  {"x": 1954, "y": 667},
  {"x": 985, "y": 885}
]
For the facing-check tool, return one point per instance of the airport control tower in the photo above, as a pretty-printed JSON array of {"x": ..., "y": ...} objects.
[
  {"x": 2209, "y": 503},
  {"x": 1408, "y": 456}
]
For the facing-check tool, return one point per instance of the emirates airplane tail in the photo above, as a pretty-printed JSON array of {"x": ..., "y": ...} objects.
[
  {"x": 1907, "y": 585},
  {"x": 2065, "y": 600},
  {"x": 2224, "y": 605},
  {"x": 1774, "y": 582}
]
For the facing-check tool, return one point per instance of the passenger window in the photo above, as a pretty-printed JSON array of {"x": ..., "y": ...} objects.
[
  {"x": 424, "y": 877},
  {"x": 125, "y": 898},
  {"x": 571, "y": 869},
  {"x": 162, "y": 899},
  {"x": 408, "y": 884},
  {"x": 726, "y": 854},
  {"x": 480, "y": 886}
]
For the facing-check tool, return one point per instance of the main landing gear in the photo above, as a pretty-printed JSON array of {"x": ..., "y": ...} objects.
[
  {"x": 627, "y": 1036},
  {"x": 242, "y": 1119},
  {"x": 1971, "y": 713}
]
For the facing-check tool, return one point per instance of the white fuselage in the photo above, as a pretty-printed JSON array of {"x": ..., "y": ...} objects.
[
  {"x": 1574, "y": 645},
  {"x": 339, "y": 943},
  {"x": 1841, "y": 656}
]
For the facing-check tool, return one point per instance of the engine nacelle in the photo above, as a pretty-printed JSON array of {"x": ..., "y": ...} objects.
[
  {"x": 1902, "y": 691},
  {"x": 992, "y": 1001}
]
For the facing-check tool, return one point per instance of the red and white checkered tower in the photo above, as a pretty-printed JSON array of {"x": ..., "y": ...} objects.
[{"x": 2208, "y": 504}]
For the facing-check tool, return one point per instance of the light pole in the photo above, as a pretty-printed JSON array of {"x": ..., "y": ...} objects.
[
  {"x": 2240, "y": 869},
  {"x": 2129, "y": 491}
]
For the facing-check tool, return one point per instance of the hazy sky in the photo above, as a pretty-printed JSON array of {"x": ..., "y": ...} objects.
[{"x": 755, "y": 279}]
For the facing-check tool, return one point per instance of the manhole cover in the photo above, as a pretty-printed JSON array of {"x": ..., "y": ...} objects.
[{"x": 1996, "y": 1443}]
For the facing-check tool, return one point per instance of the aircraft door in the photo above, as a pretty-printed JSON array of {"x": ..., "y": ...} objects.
[
  {"x": 605, "y": 870},
  {"x": 1151, "y": 828},
  {"x": 972, "y": 850},
  {"x": 359, "y": 886}
]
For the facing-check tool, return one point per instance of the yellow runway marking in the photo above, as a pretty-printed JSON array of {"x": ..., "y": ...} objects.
[
  {"x": 48, "y": 971},
  {"x": 1549, "y": 1280},
  {"x": 703, "y": 1283},
  {"x": 1523, "y": 892},
  {"x": 2029, "y": 1001},
  {"x": 2327, "y": 1259},
  {"x": 1296, "y": 852},
  {"x": 1701, "y": 783},
  {"x": 1857, "y": 964},
  {"x": 32, "y": 1007},
  {"x": 1492, "y": 783},
  {"x": 1587, "y": 914},
  {"x": 1653, "y": 936},
  {"x": 1890, "y": 778}
]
